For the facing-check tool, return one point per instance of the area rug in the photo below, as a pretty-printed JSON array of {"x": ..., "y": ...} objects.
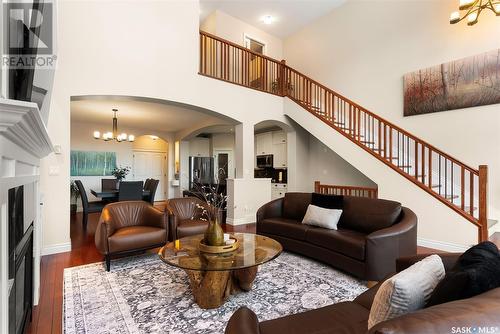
[{"x": 144, "y": 295}]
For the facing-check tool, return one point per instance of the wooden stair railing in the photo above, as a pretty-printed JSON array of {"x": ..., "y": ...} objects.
[
  {"x": 329, "y": 189},
  {"x": 457, "y": 185}
]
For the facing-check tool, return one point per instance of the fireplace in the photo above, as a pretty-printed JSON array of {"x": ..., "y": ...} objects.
[{"x": 20, "y": 276}]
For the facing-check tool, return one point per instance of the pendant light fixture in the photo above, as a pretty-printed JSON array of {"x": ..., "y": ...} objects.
[{"x": 114, "y": 135}]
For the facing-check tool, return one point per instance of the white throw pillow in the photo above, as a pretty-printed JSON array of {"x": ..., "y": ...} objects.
[
  {"x": 326, "y": 218},
  {"x": 406, "y": 291}
]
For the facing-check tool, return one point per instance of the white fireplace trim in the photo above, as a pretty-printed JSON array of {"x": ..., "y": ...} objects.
[{"x": 23, "y": 142}]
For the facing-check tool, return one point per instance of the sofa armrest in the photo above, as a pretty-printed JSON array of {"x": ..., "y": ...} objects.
[
  {"x": 243, "y": 321},
  {"x": 270, "y": 210},
  {"x": 105, "y": 228},
  {"x": 449, "y": 260},
  {"x": 479, "y": 314},
  {"x": 384, "y": 246}
]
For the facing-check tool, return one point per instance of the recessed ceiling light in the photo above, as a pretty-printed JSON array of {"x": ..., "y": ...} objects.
[{"x": 268, "y": 19}]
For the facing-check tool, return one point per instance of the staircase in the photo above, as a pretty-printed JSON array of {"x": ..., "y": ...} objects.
[{"x": 452, "y": 182}]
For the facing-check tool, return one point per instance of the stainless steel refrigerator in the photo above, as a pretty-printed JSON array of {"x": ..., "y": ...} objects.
[{"x": 201, "y": 170}]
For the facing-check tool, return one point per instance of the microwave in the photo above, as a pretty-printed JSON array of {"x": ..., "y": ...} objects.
[{"x": 265, "y": 161}]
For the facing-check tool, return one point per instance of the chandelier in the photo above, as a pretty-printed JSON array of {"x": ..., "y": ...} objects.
[
  {"x": 113, "y": 135},
  {"x": 473, "y": 9}
]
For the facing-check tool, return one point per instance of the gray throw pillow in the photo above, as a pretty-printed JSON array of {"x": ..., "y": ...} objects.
[
  {"x": 407, "y": 291},
  {"x": 326, "y": 218}
]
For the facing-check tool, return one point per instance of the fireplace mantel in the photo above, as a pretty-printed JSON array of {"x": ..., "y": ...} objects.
[
  {"x": 24, "y": 140},
  {"x": 21, "y": 123}
]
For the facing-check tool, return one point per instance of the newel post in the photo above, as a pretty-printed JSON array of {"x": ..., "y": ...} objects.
[
  {"x": 483, "y": 203},
  {"x": 316, "y": 186},
  {"x": 283, "y": 88}
]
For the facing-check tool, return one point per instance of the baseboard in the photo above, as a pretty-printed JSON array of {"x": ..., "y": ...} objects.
[
  {"x": 57, "y": 248},
  {"x": 442, "y": 245},
  {"x": 238, "y": 221}
]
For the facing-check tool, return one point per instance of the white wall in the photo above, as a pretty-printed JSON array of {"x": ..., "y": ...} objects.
[
  {"x": 363, "y": 48},
  {"x": 234, "y": 30},
  {"x": 328, "y": 167}
]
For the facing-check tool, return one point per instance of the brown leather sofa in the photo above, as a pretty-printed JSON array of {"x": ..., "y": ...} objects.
[
  {"x": 371, "y": 235},
  {"x": 185, "y": 218},
  {"x": 352, "y": 317},
  {"x": 130, "y": 226}
]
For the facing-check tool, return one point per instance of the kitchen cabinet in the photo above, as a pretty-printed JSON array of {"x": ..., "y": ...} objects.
[
  {"x": 279, "y": 156},
  {"x": 278, "y": 190},
  {"x": 199, "y": 147},
  {"x": 273, "y": 142},
  {"x": 279, "y": 137},
  {"x": 264, "y": 143}
]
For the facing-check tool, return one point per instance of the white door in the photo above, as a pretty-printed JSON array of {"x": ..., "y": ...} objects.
[{"x": 151, "y": 165}]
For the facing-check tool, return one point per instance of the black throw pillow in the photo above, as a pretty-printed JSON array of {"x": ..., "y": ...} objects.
[
  {"x": 327, "y": 201},
  {"x": 476, "y": 271}
]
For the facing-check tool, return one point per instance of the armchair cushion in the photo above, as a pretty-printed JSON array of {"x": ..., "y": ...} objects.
[
  {"x": 136, "y": 237},
  {"x": 191, "y": 227},
  {"x": 368, "y": 215}
]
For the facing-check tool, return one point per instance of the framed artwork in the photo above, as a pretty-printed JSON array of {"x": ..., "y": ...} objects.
[
  {"x": 464, "y": 83},
  {"x": 91, "y": 163}
]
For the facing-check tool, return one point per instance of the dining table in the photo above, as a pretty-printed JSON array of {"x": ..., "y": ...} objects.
[{"x": 111, "y": 193}]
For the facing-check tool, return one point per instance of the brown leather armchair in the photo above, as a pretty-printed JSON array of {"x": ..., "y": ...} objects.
[
  {"x": 130, "y": 226},
  {"x": 185, "y": 218}
]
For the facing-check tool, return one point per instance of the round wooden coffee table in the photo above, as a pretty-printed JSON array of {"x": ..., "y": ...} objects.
[{"x": 214, "y": 277}]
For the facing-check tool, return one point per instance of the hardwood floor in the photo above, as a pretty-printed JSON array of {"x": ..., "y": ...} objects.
[{"x": 47, "y": 316}]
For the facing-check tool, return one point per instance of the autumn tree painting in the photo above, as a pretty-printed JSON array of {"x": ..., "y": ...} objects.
[{"x": 469, "y": 82}]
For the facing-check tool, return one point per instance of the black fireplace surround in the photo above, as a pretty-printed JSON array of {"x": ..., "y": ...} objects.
[{"x": 20, "y": 279}]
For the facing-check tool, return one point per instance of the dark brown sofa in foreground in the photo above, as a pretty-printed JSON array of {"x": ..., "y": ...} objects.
[
  {"x": 481, "y": 311},
  {"x": 371, "y": 235},
  {"x": 130, "y": 226}
]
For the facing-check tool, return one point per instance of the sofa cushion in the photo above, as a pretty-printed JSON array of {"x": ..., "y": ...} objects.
[
  {"x": 407, "y": 291},
  {"x": 327, "y": 201},
  {"x": 347, "y": 242},
  {"x": 288, "y": 228},
  {"x": 340, "y": 318},
  {"x": 136, "y": 237},
  {"x": 295, "y": 205},
  {"x": 476, "y": 271},
  {"x": 368, "y": 215}
]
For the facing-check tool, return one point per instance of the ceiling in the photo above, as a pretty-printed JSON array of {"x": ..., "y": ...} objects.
[
  {"x": 290, "y": 15},
  {"x": 140, "y": 113}
]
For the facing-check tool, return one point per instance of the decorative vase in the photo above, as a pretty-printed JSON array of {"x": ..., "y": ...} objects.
[
  {"x": 214, "y": 235},
  {"x": 118, "y": 184}
]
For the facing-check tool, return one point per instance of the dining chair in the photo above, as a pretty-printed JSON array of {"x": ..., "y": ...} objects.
[
  {"x": 146, "y": 183},
  {"x": 88, "y": 207},
  {"x": 153, "y": 185},
  {"x": 130, "y": 191},
  {"x": 108, "y": 184}
]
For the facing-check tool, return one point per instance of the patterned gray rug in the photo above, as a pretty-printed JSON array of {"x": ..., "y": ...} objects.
[{"x": 144, "y": 295}]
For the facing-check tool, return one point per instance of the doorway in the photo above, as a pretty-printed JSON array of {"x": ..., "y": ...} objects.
[
  {"x": 224, "y": 165},
  {"x": 151, "y": 165}
]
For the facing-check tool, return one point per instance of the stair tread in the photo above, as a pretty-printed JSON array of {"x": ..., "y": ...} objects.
[{"x": 404, "y": 166}]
